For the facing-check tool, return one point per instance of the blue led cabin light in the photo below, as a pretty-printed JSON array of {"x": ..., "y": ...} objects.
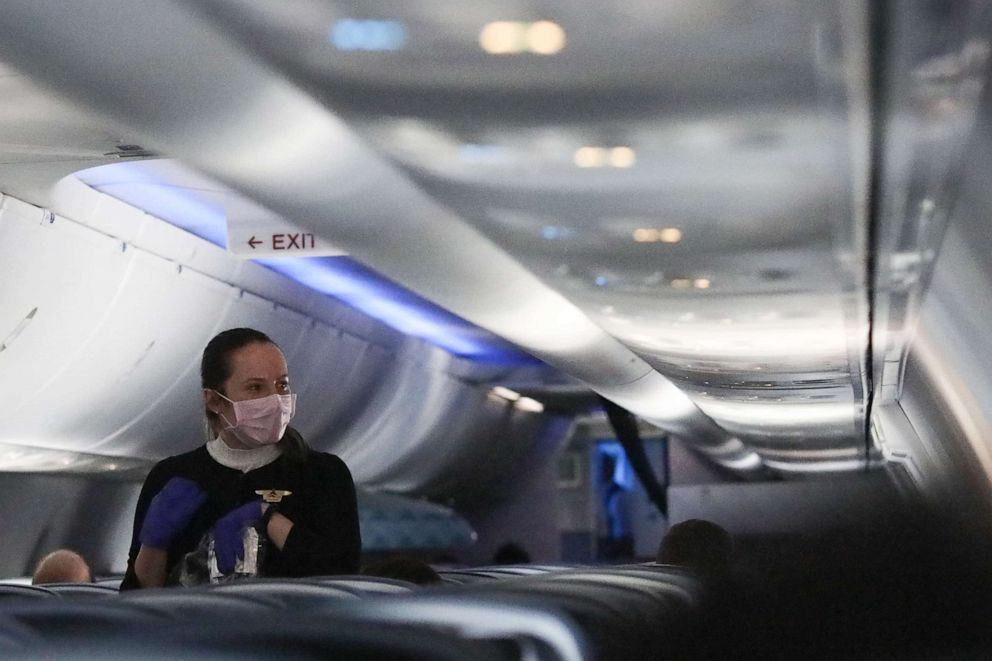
[
  {"x": 343, "y": 278},
  {"x": 350, "y": 34}
]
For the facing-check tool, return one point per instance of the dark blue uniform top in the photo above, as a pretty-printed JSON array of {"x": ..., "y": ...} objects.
[{"x": 324, "y": 540}]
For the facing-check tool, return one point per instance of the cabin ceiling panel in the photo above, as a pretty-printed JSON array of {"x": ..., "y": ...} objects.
[
  {"x": 694, "y": 179},
  {"x": 661, "y": 170}
]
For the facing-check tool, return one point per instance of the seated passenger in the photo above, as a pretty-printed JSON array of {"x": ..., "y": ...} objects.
[
  {"x": 701, "y": 545},
  {"x": 403, "y": 568},
  {"x": 511, "y": 554},
  {"x": 255, "y": 499},
  {"x": 62, "y": 566},
  {"x": 727, "y": 607}
]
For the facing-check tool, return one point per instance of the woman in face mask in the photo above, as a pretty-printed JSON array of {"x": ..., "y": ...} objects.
[{"x": 254, "y": 500}]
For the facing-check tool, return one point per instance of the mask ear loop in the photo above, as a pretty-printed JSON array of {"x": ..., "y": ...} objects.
[{"x": 224, "y": 417}]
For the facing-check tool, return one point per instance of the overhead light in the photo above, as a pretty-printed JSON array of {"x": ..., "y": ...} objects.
[
  {"x": 503, "y": 38},
  {"x": 545, "y": 38},
  {"x": 701, "y": 283},
  {"x": 622, "y": 157},
  {"x": 529, "y": 405},
  {"x": 506, "y": 393},
  {"x": 681, "y": 283},
  {"x": 652, "y": 235},
  {"x": 590, "y": 157},
  {"x": 646, "y": 235},
  {"x": 513, "y": 38}
]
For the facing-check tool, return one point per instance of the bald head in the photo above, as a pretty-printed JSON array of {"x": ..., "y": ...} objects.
[{"x": 62, "y": 566}]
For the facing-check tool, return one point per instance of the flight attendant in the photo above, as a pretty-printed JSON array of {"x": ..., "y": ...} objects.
[{"x": 254, "y": 500}]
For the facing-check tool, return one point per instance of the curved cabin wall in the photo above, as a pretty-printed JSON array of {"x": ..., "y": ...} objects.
[
  {"x": 103, "y": 318},
  {"x": 939, "y": 428}
]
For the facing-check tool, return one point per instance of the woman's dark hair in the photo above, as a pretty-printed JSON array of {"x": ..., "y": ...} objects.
[{"x": 215, "y": 369}]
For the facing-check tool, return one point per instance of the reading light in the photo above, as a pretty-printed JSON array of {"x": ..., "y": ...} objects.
[
  {"x": 506, "y": 393},
  {"x": 529, "y": 405}
]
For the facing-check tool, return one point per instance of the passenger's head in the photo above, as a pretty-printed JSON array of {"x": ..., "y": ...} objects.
[
  {"x": 239, "y": 364},
  {"x": 511, "y": 554},
  {"x": 62, "y": 566},
  {"x": 403, "y": 568},
  {"x": 699, "y": 544}
]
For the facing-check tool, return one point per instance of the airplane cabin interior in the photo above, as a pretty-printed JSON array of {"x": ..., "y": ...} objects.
[{"x": 549, "y": 279}]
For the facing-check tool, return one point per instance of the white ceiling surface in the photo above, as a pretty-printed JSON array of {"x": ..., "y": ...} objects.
[
  {"x": 747, "y": 123},
  {"x": 44, "y": 138}
]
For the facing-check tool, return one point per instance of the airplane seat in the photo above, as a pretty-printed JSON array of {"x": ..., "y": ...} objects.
[
  {"x": 110, "y": 581},
  {"x": 600, "y": 601},
  {"x": 603, "y": 615},
  {"x": 498, "y": 573},
  {"x": 367, "y": 584},
  {"x": 520, "y": 629},
  {"x": 180, "y": 604},
  {"x": 74, "y": 590},
  {"x": 524, "y": 570},
  {"x": 465, "y": 577},
  {"x": 14, "y": 635},
  {"x": 316, "y": 637},
  {"x": 78, "y": 649},
  {"x": 470, "y": 575},
  {"x": 57, "y": 619},
  {"x": 661, "y": 567},
  {"x": 289, "y": 592},
  {"x": 683, "y": 585},
  {"x": 286, "y": 636},
  {"x": 10, "y": 591}
]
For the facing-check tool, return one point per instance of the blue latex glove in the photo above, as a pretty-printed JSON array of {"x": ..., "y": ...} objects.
[
  {"x": 170, "y": 511},
  {"x": 228, "y": 532}
]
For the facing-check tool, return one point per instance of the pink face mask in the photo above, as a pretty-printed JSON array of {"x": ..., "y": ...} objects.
[{"x": 261, "y": 421}]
